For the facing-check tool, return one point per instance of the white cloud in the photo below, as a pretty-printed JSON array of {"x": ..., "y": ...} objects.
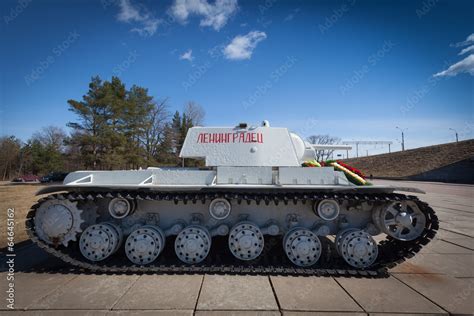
[
  {"x": 213, "y": 15},
  {"x": 188, "y": 55},
  {"x": 466, "y": 50},
  {"x": 130, "y": 13},
  {"x": 464, "y": 66},
  {"x": 469, "y": 40},
  {"x": 242, "y": 46}
]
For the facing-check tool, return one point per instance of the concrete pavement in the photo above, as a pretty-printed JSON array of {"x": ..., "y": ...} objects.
[{"x": 438, "y": 281}]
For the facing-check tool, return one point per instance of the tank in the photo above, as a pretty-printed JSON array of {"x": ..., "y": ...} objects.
[{"x": 261, "y": 204}]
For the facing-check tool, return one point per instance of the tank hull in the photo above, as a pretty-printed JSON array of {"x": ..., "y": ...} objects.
[
  {"x": 218, "y": 178},
  {"x": 258, "y": 207}
]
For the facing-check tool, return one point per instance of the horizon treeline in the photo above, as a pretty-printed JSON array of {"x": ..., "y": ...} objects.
[{"x": 116, "y": 128}]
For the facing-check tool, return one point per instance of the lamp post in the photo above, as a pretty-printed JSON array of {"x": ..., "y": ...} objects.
[
  {"x": 403, "y": 137},
  {"x": 455, "y": 132}
]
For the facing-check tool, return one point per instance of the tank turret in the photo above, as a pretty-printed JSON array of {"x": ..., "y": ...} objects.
[{"x": 246, "y": 146}]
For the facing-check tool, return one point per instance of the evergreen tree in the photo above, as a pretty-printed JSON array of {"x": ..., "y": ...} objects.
[
  {"x": 89, "y": 132},
  {"x": 120, "y": 128},
  {"x": 115, "y": 140},
  {"x": 111, "y": 122},
  {"x": 139, "y": 104}
]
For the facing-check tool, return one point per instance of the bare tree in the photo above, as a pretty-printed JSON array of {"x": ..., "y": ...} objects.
[
  {"x": 323, "y": 154},
  {"x": 51, "y": 136},
  {"x": 195, "y": 113},
  {"x": 155, "y": 129}
]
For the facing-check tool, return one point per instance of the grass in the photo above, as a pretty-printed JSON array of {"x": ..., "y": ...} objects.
[{"x": 19, "y": 197}]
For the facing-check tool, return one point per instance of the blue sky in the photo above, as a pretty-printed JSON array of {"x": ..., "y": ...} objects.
[{"x": 353, "y": 69}]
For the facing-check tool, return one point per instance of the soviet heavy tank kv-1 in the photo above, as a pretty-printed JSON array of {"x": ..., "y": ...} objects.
[{"x": 257, "y": 204}]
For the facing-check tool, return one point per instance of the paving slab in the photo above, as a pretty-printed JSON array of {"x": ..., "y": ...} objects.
[
  {"x": 170, "y": 292},
  {"x": 446, "y": 207},
  {"x": 450, "y": 208},
  {"x": 387, "y": 295},
  {"x": 457, "y": 265},
  {"x": 58, "y": 313},
  {"x": 30, "y": 288},
  {"x": 291, "y": 313},
  {"x": 88, "y": 292},
  {"x": 431, "y": 247},
  {"x": 463, "y": 242},
  {"x": 446, "y": 217},
  {"x": 404, "y": 314},
  {"x": 238, "y": 313},
  {"x": 462, "y": 227},
  {"x": 446, "y": 234},
  {"x": 419, "y": 264},
  {"x": 3, "y": 288},
  {"x": 441, "y": 246},
  {"x": 101, "y": 313},
  {"x": 312, "y": 294},
  {"x": 454, "y": 295},
  {"x": 231, "y": 292},
  {"x": 151, "y": 313}
]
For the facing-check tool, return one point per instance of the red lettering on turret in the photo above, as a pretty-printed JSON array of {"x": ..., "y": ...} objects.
[{"x": 226, "y": 138}]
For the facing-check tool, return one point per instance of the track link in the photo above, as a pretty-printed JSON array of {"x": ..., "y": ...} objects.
[{"x": 391, "y": 251}]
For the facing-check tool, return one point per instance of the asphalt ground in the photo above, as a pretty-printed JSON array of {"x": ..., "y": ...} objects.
[{"x": 438, "y": 281}]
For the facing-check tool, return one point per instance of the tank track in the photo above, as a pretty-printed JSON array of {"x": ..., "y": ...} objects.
[{"x": 391, "y": 251}]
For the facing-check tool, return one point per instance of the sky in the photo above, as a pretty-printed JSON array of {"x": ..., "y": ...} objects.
[{"x": 352, "y": 69}]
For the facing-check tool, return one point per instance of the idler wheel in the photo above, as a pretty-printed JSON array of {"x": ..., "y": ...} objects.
[
  {"x": 99, "y": 241},
  {"x": 302, "y": 247},
  {"x": 144, "y": 244},
  {"x": 401, "y": 220},
  {"x": 246, "y": 241},
  {"x": 192, "y": 245}
]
